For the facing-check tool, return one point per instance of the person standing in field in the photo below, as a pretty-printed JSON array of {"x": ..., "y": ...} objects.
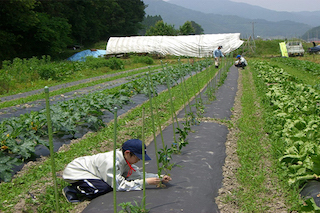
[
  {"x": 217, "y": 54},
  {"x": 92, "y": 176}
]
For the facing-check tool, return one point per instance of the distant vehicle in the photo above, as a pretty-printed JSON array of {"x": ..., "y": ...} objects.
[
  {"x": 295, "y": 48},
  {"x": 314, "y": 49}
]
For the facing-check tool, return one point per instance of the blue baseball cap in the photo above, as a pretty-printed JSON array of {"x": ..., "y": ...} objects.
[
  {"x": 238, "y": 56},
  {"x": 135, "y": 146}
]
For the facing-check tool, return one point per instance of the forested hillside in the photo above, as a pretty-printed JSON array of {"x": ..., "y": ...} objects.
[{"x": 41, "y": 27}]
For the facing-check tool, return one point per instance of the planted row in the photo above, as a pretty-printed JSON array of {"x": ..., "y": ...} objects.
[
  {"x": 19, "y": 136},
  {"x": 293, "y": 123},
  {"x": 307, "y": 66}
]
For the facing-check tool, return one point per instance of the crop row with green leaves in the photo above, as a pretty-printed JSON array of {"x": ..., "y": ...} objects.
[
  {"x": 307, "y": 66},
  {"x": 293, "y": 123},
  {"x": 20, "y": 135}
]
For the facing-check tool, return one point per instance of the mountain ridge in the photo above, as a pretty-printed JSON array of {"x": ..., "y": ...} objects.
[
  {"x": 227, "y": 7},
  {"x": 218, "y": 23}
]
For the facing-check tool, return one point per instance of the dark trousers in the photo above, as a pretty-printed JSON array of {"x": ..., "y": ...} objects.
[
  {"x": 91, "y": 188},
  {"x": 241, "y": 65}
]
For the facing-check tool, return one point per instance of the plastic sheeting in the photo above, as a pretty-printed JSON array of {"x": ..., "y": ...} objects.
[
  {"x": 81, "y": 56},
  {"x": 189, "y": 45}
]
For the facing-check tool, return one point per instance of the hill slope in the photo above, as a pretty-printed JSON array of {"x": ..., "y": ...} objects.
[
  {"x": 227, "y": 7},
  {"x": 214, "y": 23}
]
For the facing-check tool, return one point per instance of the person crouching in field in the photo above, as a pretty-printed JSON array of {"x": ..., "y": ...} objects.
[
  {"x": 241, "y": 62},
  {"x": 92, "y": 176}
]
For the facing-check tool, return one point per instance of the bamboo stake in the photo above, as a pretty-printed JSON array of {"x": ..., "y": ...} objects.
[
  {"x": 173, "y": 110},
  {"x": 157, "y": 115},
  {"x": 182, "y": 90},
  {"x": 199, "y": 84},
  {"x": 171, "y": 104},
  {"x": 143, "y": 163},
  {"x": 114, "y": 162},
  {"x": 153, "y": 126},
  {"x": 53, "y": 167}
]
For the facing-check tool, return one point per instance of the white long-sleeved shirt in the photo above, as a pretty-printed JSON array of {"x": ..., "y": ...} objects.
[
  {"x": 100, "y": 166},
  {"x": 241, "y": 60}
]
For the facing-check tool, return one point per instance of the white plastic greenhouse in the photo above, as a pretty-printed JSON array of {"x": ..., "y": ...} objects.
[{"x": 188, "y": 45}]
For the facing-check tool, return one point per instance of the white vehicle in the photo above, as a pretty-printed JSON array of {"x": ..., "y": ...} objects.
[{"x": 295, "y": 48}]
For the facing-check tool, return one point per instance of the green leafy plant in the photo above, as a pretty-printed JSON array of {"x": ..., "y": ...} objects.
[
  {"x": 165, "y": 156},
  {"x": 128, "y": 207},
  {"x": 182, "y": 142},
  {"x": 294, "y": 121}
]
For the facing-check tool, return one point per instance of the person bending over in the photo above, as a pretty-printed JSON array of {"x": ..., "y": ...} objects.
[
  {"x": 92, "y": 176},
  {"x": 241, "y": 62}
]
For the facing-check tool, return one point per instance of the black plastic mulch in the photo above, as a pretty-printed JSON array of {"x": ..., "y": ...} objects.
[{"x": 197, "y": 176}]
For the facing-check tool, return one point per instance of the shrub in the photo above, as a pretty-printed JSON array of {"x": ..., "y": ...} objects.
[
  {"x": 5, "y": 82},
  {"x": 141, "y": 59},
  {"x": 115, "y": 63},
  {"x": 47, "y": 72}
]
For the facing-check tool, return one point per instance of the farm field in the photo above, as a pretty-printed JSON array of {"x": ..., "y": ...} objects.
[{"x": 262, "y": 157}]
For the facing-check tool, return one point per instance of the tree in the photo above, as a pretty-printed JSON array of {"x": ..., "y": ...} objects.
[
  {"x": 148, "y": 22},
  {"x": 17, "y": 17},
  {"x": 37, "y": 27},
  {"x": 198, "y": 29},
  {"x": 312, "y": 34},
  {"x": 162, "y": 28},
  {"x": 186, "y": 28}
]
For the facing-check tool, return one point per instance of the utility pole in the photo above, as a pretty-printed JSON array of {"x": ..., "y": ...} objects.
[
  {"x": 253, "y": 30},
  {"x": 254, "y": 43}
]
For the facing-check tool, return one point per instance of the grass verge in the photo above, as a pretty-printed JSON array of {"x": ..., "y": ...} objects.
[{"x": 73, "y": 88}]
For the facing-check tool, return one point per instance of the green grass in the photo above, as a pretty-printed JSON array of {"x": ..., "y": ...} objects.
[
  {"x": 251, "y": 151},
  {"x": 72, "y": 88}
]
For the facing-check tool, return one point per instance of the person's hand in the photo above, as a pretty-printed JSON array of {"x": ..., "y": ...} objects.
[
  {"x": 153, "y": 181},
  {"x": 166, "y": 179}
]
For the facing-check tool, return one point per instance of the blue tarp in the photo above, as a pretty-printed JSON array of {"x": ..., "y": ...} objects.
[{"x": 81, "y": 56}]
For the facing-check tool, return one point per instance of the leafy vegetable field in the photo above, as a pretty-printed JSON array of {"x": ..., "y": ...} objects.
[{"x": 292, "y": 121}]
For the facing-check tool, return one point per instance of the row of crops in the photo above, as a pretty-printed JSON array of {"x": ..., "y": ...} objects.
[
  {"x": 19, "y": 136},
  {"x": 293, "y": 120},
  {"x": 183, "y": 82}
]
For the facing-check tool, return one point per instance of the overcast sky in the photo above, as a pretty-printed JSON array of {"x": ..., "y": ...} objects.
[{"x": 285, "y": 5}]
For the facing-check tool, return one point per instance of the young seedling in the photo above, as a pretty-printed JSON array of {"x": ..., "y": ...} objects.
[
  {"x": 129, "y": 208},
  {"x": 183, "y": 133},
  {"x": 164, "y": 159}
]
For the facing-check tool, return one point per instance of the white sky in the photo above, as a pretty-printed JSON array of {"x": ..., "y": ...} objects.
[{"x": 285, "y": 5}]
